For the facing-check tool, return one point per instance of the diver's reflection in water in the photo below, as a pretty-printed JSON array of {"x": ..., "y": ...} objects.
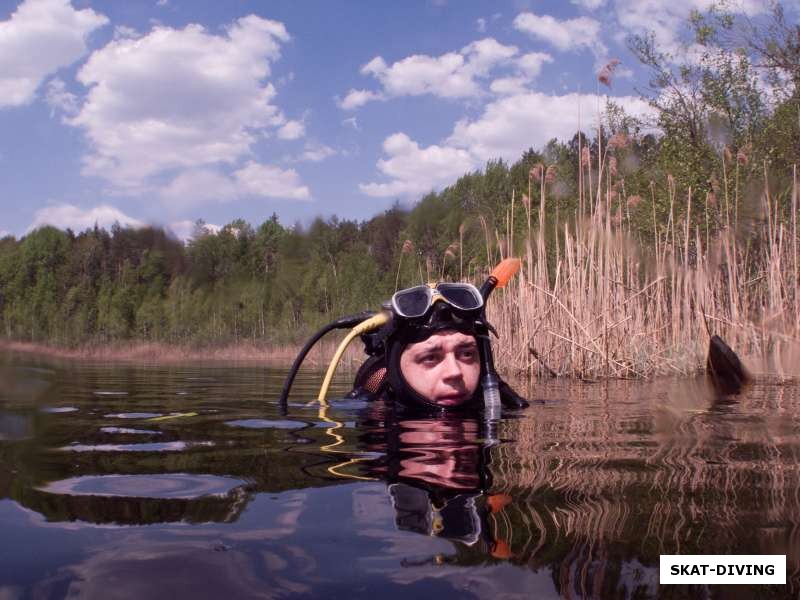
[
  {"x": 437, "y": 470},
  {"x": 447, "y": 482}
]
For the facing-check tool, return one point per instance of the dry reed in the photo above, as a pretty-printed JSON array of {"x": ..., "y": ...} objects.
[
  {"x": 601, "y": 306},
  {"x": 157, "y": 353}
]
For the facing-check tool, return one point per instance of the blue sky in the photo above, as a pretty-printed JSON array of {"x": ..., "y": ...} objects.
[{"x": 166, "y": 111}]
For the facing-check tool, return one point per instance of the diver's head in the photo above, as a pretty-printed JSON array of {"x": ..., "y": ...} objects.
[
  {"x": 434, "y": 361},
  {"x": 444, "y": 369}
]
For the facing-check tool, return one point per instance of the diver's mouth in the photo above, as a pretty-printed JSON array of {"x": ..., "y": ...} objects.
[{"x": 450, "y": 399}]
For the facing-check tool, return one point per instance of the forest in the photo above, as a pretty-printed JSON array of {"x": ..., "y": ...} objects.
[{"x": 718, "y": 160}]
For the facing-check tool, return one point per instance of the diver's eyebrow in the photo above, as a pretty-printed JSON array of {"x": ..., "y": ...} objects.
[
  {"x": 435, "y": 346},
  {"x": 467, "y": 344}
]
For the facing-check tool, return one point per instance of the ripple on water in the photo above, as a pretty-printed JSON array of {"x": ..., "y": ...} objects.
[
  {"x": 152, "y": 447},
  {"x": 168, "y": 486},
  {"x": 266, "y": 424},
  {"x": 109, "y": 393},
  {"x": 133, "y": 415},
  {"x": 129, "y": 430},
  {"x": 57, "y": 409}
]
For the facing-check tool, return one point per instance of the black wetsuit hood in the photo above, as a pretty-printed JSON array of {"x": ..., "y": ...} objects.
[{"x": 441, "y": 318}]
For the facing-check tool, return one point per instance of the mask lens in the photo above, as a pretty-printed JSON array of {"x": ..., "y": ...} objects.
[
  {"x": 413, "y": 302},
  {"x": 461, "y": 295}
]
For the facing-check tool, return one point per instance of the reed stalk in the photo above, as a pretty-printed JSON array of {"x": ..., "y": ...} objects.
[{"x": 604, "y": 307}]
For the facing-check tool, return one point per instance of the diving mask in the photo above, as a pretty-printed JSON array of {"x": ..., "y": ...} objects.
[{"x": 415, "y": 302}]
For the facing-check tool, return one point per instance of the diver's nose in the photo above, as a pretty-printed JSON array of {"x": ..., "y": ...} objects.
[{"x": 452, "y": 368}]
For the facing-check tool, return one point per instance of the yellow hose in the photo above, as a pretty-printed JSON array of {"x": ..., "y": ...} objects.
[{"x": 363, "y": 327}]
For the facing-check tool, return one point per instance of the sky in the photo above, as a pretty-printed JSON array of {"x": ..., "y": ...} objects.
[{"x": 162, "y": 112}]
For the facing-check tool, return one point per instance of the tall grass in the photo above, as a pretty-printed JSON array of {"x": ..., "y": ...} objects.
[{"x": 600, "y": 304}]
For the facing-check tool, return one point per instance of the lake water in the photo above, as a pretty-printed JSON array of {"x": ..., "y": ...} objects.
[{"x": 121, "y": 481}]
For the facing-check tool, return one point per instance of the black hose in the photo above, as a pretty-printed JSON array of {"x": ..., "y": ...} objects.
[
  {"x": 343, "y": 323},
  {"x": 487, "y": 288}
]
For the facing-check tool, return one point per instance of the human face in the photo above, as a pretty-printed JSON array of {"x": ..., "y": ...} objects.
[
  {"x": 445, "y": 453},
  {"x": 444, "y": 368}
]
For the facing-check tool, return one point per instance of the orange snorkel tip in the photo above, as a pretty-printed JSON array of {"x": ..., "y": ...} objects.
[{"x": 505, "y": 271}]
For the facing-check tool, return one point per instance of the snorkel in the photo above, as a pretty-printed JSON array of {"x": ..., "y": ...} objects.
[{"x": 499, "y": 277}]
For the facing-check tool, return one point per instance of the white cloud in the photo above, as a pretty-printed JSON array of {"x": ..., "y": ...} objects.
[
  {"x": 450, "y": 75},
  {"x": 510, "y": 125},
  {"x": 509, "y": 85},
  {"x": 69, "y": 216},
  {"x": 485, "y": 54},
  {"x": 198, "y": 186},
  {"x": 623, "y": 73},
  {"x": 507, "y": 127},
  {"x": 351, "y": 122},
  {"x": 125, "y": 32},
  {"x": 414, "y": 170},
  {"x": 589, "y": 4},
  {"x": 179, "y": 104},
  {"x": 667, "y": 20},
  {"x": 254, "y": 180},
  {"x": 527, "y": 68},
  {"x": 271, "y": 182},
  {"x": 4, "y": 233},
  {"x": 569, "y": 34},
  {"x": 184, "y": 230},
  {"x": 421, "y": 74},
  {"x": 59, "y": 99},
  {"x": 292, "y": 130},
  {"x": 531, "y": 64},
  {"x": 356, "y": 98},
  {"x": 480, "y": 25},
  {"x": 315, "y": 152},
  {"x": 41, "y": 37}
]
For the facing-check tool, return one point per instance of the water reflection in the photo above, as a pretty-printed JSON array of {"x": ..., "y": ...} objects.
[
  {"x": 129, "y": 430},
  {"x": 578, "y": 499},
  {"x": 81, "y": 419},
  {"x": 180, "y": 486},
  {"x": 591, "y": 493},
  {"x": 602, "y": 489},
  {"x": 178, "y": 446},
  {"x": 140, "y": 500},
  {"x": 14, "y": 427},
  {"x": 438, "y": 476}
]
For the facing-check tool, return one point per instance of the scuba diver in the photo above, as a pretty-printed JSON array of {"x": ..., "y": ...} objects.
[
  {"x": 435, "y": 401},
  {"x": 428, "y": 350}
]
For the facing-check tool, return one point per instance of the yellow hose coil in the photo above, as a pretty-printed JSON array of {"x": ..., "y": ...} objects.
[{"x": 368, "y": 325}]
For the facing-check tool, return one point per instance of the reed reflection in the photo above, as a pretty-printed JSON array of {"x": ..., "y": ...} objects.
[
  {"x": 594, "y": 489},
  {"x": 604, "y": 486}
]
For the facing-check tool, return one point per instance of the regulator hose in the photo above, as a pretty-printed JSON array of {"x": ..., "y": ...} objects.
[
  {"x": 372, "y": 323},
  {"x": 341, "y": 323}
]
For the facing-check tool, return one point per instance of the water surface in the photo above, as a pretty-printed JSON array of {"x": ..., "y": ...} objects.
[{"x": 101, "y": 497}]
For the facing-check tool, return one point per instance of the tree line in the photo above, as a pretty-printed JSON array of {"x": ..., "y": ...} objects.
[{"x": 717, "y": 142}]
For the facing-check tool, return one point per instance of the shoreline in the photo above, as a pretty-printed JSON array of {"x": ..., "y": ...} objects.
[
  {"x": 160, "y": 353},
  {"x": 156, "y": 353}
]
